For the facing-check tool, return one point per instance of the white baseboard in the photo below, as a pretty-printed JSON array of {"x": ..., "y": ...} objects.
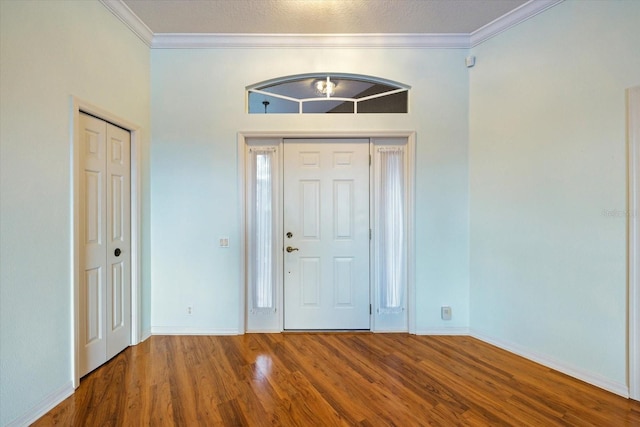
[
  {"x": 588, "y": 377},
  {"x": 145, "y": 336},
  {"x": 49, "y": 402},
  {"x": 460, "y": 330},
  {"x": 178, "y": 330}
]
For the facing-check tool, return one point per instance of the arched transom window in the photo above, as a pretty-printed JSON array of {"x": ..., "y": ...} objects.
[{"x": 327, "y": 93}]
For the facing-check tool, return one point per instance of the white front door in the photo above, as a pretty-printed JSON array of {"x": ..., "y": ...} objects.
[
  {"x": 326, "y": 226},
  {"x": 105, "y": 235}
]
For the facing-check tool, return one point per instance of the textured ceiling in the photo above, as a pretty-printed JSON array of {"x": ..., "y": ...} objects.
[{"x": 319, "y": 16}]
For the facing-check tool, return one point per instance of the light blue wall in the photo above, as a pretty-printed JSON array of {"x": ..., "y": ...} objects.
[
  {"x": 547, "y": 159},
  {"x": 198, "y": 108},
  {"x": 50, "y": 50}
]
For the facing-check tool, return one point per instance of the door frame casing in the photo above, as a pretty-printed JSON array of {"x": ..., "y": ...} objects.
[
  {"x": 78, "y": 105},
  {"x": 633, "y": 317},
  {"x": 242, "y": 143}
]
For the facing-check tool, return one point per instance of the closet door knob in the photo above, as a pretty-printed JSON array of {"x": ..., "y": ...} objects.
[{"x": 117, "y": 252}]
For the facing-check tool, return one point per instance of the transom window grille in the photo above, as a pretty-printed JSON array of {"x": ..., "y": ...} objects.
[{"x": 327, "y": 93}]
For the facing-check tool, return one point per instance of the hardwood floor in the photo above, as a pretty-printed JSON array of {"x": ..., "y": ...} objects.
[{"x": 346, "y": 379}]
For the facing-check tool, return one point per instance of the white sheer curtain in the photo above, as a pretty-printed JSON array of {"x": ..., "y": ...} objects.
[
  {"x": 261, "y": 239},
  {"x": 391, "y": 230}
]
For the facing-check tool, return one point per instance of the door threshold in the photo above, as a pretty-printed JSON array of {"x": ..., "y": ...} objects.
[{"x": 326, "y": 331}]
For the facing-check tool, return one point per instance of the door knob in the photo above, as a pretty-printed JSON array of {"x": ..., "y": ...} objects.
[
  {"x": 290, "y": 249},
  {"x": 117, "y": 252}
]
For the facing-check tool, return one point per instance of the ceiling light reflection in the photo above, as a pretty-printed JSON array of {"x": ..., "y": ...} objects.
[
  {"x": 325, "y": 87},
  {"x": 263, "y": 367}
]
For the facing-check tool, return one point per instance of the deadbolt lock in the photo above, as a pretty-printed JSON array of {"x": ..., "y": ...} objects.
[{"x": 289, "y": 234}]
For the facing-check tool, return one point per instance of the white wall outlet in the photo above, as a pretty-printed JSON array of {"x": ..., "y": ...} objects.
[
  {"x": 445, "y": 312},
  {"x": 224, "y": 242},
  {"x": 189, "y": 310}
]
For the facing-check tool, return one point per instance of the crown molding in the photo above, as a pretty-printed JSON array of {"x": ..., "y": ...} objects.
[
  {"x": 510, "y": 19},
  {"x": 130, "y": 19},
  {"x": 397, "y": 41},
  {"x": 195, "y": 41}
]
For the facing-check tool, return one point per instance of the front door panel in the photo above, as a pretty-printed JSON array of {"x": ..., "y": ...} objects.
[{"x": 326, "y": 210}]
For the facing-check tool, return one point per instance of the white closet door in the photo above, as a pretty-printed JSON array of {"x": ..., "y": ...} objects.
[
  {"x": 105, "y": 258},
  {"x": 118, "y": 326}
]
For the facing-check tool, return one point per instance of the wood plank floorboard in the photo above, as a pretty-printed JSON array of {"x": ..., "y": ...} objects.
[{"x": 332, "y": 379}]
